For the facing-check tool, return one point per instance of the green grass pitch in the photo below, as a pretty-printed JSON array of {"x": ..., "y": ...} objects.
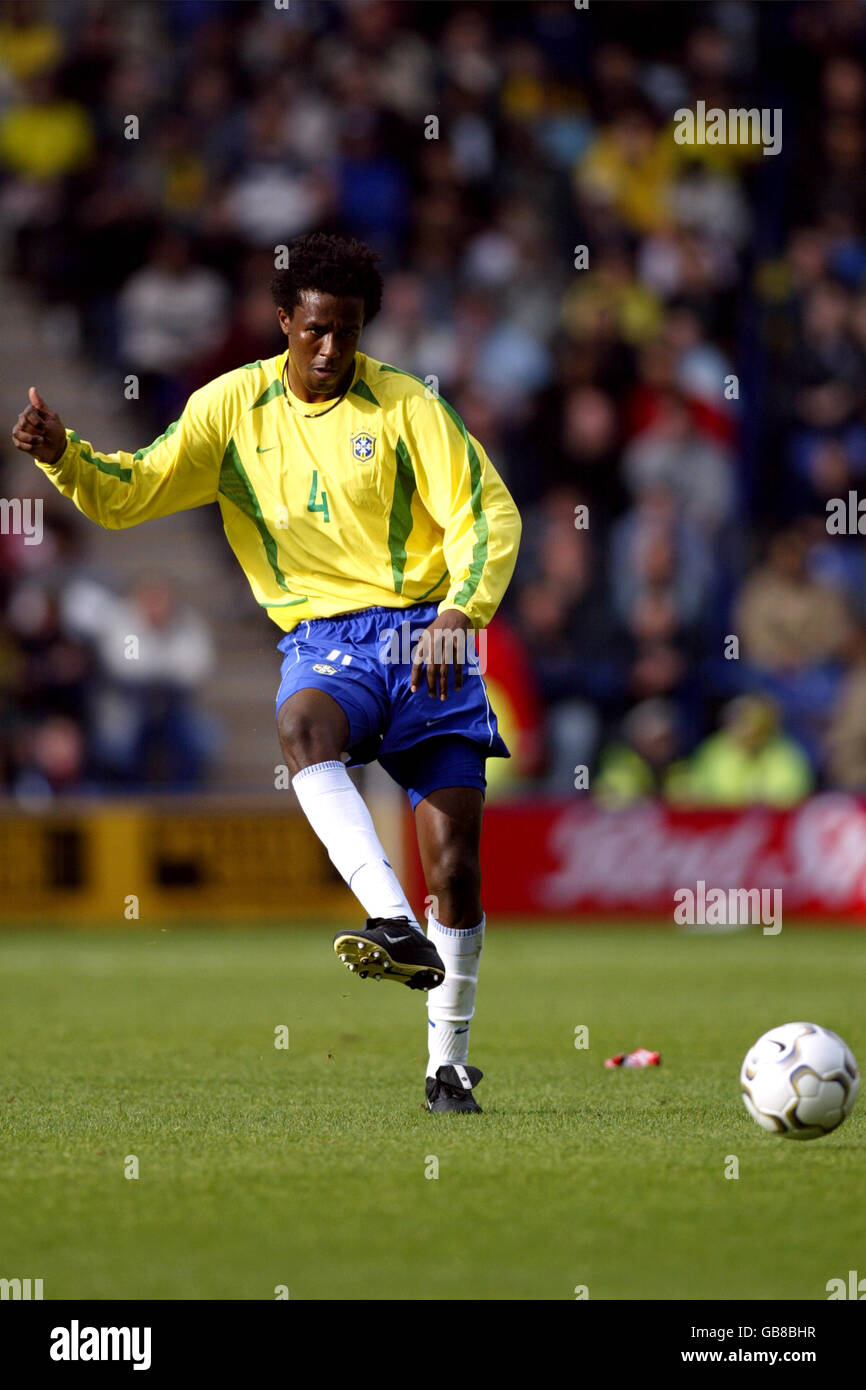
[{"x": 305, "y": 1167}]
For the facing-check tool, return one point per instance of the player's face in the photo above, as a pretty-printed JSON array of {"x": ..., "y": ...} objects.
[{"x": 322, "y": 332}]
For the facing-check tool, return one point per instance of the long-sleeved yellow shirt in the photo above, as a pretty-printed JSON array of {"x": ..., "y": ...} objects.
[{"x": 381, "y": 500}]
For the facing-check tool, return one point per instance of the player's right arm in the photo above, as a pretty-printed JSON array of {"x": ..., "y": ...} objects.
[{"x": 179, "y": 470}]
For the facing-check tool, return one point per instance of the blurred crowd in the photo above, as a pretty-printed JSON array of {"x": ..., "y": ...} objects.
[
  {"x": 98, "y": 686},
  {"x": 672, "y": 408}
]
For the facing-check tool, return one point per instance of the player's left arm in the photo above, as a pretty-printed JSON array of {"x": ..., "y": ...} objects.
[{"x": 465, "y": 495}]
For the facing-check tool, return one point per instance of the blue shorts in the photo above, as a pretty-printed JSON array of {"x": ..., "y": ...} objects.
[{"x": 363, "y": 661}]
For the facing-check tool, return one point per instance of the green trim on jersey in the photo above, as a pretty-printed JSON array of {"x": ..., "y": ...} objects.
[
  {"x": 114, "y": 470},
  {"x": 443, "y": 575},
  {"x": 236, "y": 486},
  {"x": 275, "y": 389},
  {"x": 400, "y": 520},
  {"x": 361, "y": 389},
  {"x": 143, "y": 453},
  {"x": 482, "y": 530}
]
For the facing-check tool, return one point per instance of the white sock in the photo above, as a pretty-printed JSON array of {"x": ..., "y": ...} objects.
[
  {"x": 336, "y": 811},
  {"x": 451, "y": 1005}
]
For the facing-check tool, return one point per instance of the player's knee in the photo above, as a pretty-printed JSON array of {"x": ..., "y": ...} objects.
[{"x": 304, "y": 740}]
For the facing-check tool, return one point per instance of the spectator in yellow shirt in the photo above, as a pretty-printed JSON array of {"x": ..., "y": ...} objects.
[
  {"x": 45, "y": 136},
  {"x": 748, "y": 762}
]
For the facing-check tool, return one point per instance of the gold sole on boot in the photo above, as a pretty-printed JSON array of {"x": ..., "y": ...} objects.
[{"x": 369, "y": 961}]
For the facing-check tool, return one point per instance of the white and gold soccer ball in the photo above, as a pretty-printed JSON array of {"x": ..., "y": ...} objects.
[{"x": 799, "y": 1081}]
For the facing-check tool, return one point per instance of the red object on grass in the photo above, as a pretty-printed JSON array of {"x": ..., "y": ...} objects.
[{"x": 641, "y": 1058}]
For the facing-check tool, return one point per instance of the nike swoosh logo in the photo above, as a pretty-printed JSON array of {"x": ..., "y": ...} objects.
[
  {"x": 776, "y": 1043},
  {"x": 394, "y": 939},
  {"x": 265, "y": 451}
]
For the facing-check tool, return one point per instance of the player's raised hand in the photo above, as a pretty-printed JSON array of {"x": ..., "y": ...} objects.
[
  {"x": 441, "y": 646},
  {"x": 39, "y": 431}
]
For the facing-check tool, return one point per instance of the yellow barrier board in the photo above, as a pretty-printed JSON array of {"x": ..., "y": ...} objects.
[{"x": 121, "y": 862}]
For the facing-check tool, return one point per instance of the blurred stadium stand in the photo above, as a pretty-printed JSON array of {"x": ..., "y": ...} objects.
[{"x": 602, "y": 386}]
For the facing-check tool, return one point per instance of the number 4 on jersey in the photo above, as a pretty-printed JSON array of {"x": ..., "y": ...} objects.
[{"x": 313, "y": 505}]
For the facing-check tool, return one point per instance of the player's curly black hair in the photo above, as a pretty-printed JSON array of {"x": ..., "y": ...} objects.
[{"x": 335, "y": 265}]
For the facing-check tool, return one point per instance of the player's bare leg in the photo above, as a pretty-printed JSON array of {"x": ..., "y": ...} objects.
[
  {"x": 314, "y": 732},
  {"x": 313, "y": 728},
  {"x": 448, "y": 825}
]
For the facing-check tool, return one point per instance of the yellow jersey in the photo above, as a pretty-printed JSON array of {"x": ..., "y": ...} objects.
[{"x": 381, "y": 498}]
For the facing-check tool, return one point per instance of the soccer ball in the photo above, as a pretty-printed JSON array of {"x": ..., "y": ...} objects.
[{"x": 799, "y": 1081}]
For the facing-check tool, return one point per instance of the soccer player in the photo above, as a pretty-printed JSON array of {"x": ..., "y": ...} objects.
[{"x": 379, "y": 537}]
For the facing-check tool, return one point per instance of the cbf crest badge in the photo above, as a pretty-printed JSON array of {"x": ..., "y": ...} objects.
[{"x": 363, "y": 446}]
